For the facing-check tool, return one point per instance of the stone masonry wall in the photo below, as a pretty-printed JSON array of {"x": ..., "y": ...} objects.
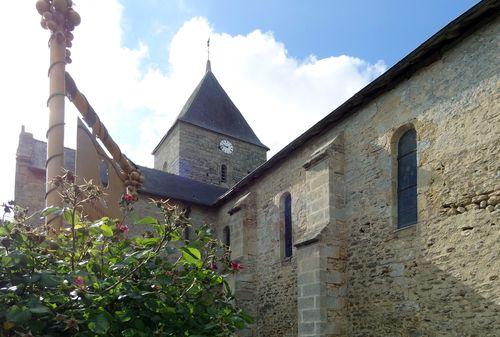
[
  {"x": 201, "y": 159},
  {"x": 30, "y": 181},
  {"x": 275, "y": 298},
  {"x": 29, "y": 187},
  {"x": 166, "y": 157},
  {"x": 436, "y": 278}
]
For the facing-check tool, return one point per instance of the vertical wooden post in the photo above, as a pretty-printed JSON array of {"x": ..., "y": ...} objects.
[
  {"x": 60, "y": 19},
  {"x": 55, "y": 133}
]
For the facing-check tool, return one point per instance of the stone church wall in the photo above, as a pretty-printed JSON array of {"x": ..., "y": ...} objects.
[
  {"x": 167, "y": 156},
  {"x": 30, "y": 187},
  {"x": 201, "y": 158},
  {"x": 436, "y": 278},
  {"x": 192, "y": 152}
]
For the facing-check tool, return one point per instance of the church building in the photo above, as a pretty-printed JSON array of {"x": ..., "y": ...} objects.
[{"x": 383, "y": 219}]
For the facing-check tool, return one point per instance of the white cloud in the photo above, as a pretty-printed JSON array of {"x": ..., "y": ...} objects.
[{"x": 138, "y": 102}]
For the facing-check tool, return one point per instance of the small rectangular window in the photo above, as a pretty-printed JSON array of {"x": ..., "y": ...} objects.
[
  {"x": 223, "y": 173},
  {"x": 227, "y": 236}
]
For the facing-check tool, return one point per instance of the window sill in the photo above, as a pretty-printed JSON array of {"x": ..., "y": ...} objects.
[
  {"x": 405, "y": 231},
  {"x": 413, "y": 225}
]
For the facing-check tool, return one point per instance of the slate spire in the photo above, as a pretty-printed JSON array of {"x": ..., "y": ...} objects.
[{"x": 210, "y": 108}]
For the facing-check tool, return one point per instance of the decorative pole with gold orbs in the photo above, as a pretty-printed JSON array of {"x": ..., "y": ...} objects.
[{"x": 60, "y": 19}]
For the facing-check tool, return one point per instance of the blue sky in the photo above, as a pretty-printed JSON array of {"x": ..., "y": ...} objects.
[
  {"x": 369, "y": 29},
  {"x": 286, "y": 63}
]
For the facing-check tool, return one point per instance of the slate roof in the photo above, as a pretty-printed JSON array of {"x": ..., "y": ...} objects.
[
  {"x": 210, "y": 107},
  {"x": 168, "y": 185},
  {"x": 39, "y": 156}
]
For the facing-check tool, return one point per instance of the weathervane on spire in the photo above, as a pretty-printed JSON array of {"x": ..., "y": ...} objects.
[{"x": 208, "y": 55}]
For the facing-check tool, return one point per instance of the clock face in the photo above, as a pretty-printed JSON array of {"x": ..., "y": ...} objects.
[{"x": 226, "y": 146}]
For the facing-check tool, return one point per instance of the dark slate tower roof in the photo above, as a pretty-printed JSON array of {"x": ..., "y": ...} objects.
[{"x": 210, "y": 107}]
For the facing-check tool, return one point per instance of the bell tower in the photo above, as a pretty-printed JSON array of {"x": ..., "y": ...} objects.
[{"x": 210, "y": 141}]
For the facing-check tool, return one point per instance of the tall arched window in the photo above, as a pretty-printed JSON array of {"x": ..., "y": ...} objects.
[
  {"x": 407, "y": 179},
  {"x": 287, "y": 237},
  {"x": 223, "y": 173},
  {"x": 227, "y": 236}
]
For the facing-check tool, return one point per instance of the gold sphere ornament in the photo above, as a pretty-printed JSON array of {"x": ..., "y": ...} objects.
[
  {"x": 74, "y": 17},
  {"x": 60, "y": 5},
  {"x": 42, "y": 6}
]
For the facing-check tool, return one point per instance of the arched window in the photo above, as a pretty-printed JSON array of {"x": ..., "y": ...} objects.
[
  {"x": 407, "y": 179},
  {"x": 223, "y": 173},
  {"x": 287, "y": 230},
  {"x": 165, "y": 166},
  {"x": 227, "y": 236}
]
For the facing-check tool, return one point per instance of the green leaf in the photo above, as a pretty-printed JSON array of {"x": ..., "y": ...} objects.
[
  {"x": 49, "y": 280},
  {"x": 4, "y": 231},
  {"x": 174, "y": 236},
  {"x": 13, "y": 259},
  {"x": 147, "y": 221},
  {"x": 130, "y": 333},
  {"x": 123, "y": 316},
  {"x": 99, "y": 323},
  {"x": 50, "y": 210},
  {"x": 106, "y": 230},
  {"x": 191, "y": 255},
  {"x": 39, "y": 309},
  {"x": 147, "y": 241},
  {"x": 247, "y": 318},
  {"x": 18, "y": 314}
]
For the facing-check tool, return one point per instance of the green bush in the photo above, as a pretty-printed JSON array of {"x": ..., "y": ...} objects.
[{"x": 93, "y": 279}]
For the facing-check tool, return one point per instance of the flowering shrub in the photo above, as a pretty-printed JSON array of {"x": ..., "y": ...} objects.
[{"x": 92, "y": 279}]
